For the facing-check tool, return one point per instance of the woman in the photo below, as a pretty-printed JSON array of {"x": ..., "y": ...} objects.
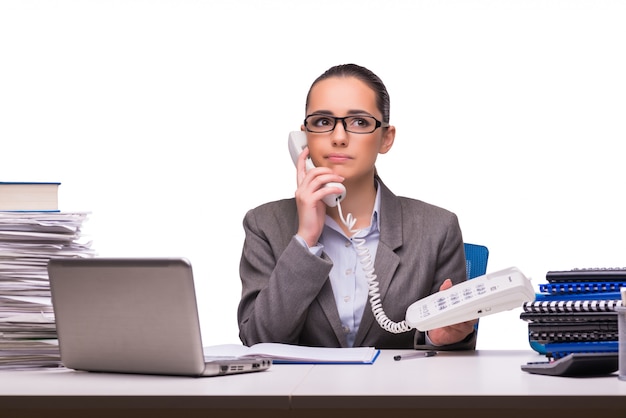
[{"x": 304, "y": 266}]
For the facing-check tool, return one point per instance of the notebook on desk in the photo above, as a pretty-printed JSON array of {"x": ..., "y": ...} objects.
[{"x": 133, "y": 315}]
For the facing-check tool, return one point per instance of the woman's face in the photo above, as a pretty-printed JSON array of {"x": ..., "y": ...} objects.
[{"x": 351, "y": 155}]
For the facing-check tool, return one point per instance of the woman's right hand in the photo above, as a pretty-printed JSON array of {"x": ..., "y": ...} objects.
[{"x": 309, "y": 195}]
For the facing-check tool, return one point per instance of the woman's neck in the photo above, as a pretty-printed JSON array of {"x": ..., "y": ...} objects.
[{"x": 359, "y": 201}]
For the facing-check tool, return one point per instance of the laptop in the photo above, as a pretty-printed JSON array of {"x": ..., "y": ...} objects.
[{"x": 133, "y": 315}]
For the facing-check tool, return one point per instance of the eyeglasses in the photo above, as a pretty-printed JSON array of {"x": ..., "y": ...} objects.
[{"x": 354, "y": 124}]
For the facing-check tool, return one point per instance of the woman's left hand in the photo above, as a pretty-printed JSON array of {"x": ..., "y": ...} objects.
[{"x": 452, "y": 333}]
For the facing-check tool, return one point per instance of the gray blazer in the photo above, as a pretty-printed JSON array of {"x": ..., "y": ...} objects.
[{"x": 287, "y": 296}]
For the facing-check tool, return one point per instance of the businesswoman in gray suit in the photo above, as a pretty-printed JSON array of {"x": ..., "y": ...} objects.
[{"x": 310, "y": 273}]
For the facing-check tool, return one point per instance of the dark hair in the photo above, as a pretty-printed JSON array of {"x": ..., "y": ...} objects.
[{"x": 366, "y": 76}]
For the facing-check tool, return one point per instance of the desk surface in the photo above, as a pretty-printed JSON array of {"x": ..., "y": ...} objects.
[{"x": 481, "y": 380}]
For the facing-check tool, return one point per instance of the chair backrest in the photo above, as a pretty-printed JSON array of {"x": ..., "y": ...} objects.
[{"x": 476, "y": 257}]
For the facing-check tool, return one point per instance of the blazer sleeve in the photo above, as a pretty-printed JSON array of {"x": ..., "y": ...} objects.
[
  {"x": 450, "y": 264},
  {"x": 280, "y": 277},
  {"x": 469, "y": 343}
]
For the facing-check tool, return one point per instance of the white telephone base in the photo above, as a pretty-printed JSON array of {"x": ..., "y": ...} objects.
[{"x": 481, "y": 296}]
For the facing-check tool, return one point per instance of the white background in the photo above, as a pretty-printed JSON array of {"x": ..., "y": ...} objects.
[{"x": 168, "y": 120}]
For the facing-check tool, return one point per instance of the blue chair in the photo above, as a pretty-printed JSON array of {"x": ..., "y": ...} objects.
[{"x": 476, "y": 257}]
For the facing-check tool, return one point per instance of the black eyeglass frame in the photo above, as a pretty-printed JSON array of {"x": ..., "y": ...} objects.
[{"x": 377, "y": 125}]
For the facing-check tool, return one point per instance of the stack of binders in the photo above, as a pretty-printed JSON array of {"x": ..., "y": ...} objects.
[{"x": 575, "y": 312}]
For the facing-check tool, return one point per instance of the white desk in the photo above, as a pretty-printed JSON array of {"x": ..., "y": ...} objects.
[
  {"x": 485, "y": 382},
  {"x": 466, "y": 380}
]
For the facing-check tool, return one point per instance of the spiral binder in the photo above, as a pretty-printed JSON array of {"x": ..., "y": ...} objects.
[
  {"x": 558, "y": 350},
  {"x": 557, "y": 306},
  {"x": 581, "y": 287},
  {"x": 575, "y": 312}
]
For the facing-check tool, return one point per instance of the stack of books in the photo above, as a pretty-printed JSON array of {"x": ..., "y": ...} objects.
[
  {"x": 575, "y": 312},
  {"x": 28, "y": 240}
]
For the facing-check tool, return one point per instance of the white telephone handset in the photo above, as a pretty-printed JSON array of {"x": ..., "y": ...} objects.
[{"x": 297, "y": 143}]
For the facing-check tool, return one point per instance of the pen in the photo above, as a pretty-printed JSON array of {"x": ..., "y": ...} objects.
[{"x": 419, "y": 354}]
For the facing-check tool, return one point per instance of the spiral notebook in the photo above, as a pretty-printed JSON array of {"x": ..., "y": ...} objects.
[{"x": 133, "y": 315}]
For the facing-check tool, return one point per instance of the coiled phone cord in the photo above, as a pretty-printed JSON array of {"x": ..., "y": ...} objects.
[{"x": 372, "y": 282}]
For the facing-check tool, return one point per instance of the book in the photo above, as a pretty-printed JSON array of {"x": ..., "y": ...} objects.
[
  {"x": 296, "y": 354},
  {"x": 29, "y": 196}
]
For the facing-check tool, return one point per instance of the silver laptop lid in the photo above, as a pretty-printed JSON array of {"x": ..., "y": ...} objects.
[{"x": 129, "y": 315}]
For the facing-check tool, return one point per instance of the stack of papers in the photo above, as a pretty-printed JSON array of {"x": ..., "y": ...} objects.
[{"x": 27, "y": 241}]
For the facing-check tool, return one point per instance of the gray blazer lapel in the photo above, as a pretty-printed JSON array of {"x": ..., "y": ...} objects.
[{"x": 326, "y": 299}]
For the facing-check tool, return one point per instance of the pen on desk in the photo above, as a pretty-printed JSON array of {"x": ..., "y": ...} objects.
[{"x": 418, "y": 354}]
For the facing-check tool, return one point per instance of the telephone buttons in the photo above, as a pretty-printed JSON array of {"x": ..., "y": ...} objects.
[{"x": 454, "y": 298}]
